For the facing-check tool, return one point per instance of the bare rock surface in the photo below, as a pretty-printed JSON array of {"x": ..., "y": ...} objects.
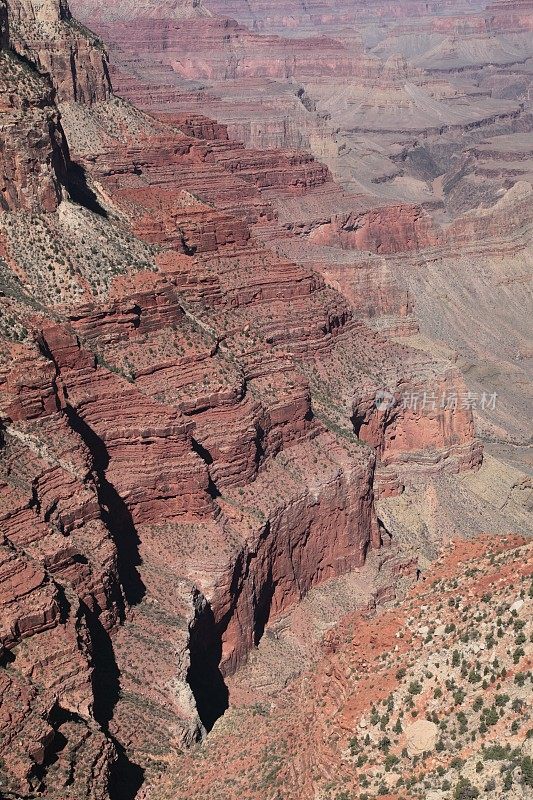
[{"x": 421, "y": 737}]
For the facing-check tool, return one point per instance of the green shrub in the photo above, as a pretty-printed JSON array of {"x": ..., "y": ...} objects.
[
  {"x": 464, "y": 790},
  {"x": 501, "y": 699},
  {"x": 390, "y": 761},
  {"x": 526, "y": 765},
  {"x": 496, "y": 752}
]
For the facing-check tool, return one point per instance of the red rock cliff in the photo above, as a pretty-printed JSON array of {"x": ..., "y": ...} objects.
[
  {"x": 50, "y": 38},
  {"x": 190, "y": 438}
]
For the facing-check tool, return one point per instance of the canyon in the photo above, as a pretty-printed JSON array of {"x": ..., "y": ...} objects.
[
  {"x": 264, "y": 351},
  {"x": 422, "y": 114}
]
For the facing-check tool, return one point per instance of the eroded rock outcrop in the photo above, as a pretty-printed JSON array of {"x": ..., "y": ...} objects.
[
  {"x": 191, "y": 441},
  {"x": 45, "y": 55},
  {"x": 46, "y": 34},
  {"x": 32, "y": 152},
  {"x": 59, "y": 582}
]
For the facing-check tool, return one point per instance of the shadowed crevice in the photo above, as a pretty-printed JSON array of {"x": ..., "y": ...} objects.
[
  {"x": 259, "y": 441},
  {"x": 358, "y": 421},
  {"x": 202, "y": 451},
  {"x": 204, "y": 676},
  {"x": 6, "y": 657},
  {"x": 106, "y": 675},
  {"x": 115, "y": 513},
  {"x": 80, "y": 191},
  {"x": 207, "y": 458},
  {"x": 63, "y": 603},
  {"x": 125, "y": 777},
  {"x": 264, "y": 606}
]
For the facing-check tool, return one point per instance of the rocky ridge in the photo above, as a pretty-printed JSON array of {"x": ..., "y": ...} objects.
[{"x": 190, "y": 439}]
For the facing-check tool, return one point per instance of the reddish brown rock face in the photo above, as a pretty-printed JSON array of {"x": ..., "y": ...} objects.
[
  {"x": 195, "y": 338},
  {"x": 47, "y": 35},
  {"x": 418, "y": 421},
  {"x": 44, "y": 56},
  {"x": 364, "y": 662},
  {"x": 32, "y": 155},
  {"x": 393, "y": 229}
]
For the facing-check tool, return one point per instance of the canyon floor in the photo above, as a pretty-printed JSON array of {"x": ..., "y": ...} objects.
[{"x": 265, "y": 400}]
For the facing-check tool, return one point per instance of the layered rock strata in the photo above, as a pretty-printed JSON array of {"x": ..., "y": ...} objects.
[{"x": 190, "y": 438}]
